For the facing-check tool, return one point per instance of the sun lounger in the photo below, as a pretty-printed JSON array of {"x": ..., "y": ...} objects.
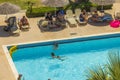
[
  {"x": 117, "y": 14},
  {"x": 43, "y": 25},
  {"x": 77, "y": 13},
  {"x": 60, "y": 21},
  {"x": 61, "y": 24},
  {"x": 25, "y": 27},
  {"x": 10, "y": 23},
  {"x": 12, "y": 26},
  {"x": 70, "y": 18},
  {"x": 15, "y": 31}
]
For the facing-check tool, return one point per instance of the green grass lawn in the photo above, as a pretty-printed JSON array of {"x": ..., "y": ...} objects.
[{"x": 23, "y": 3}]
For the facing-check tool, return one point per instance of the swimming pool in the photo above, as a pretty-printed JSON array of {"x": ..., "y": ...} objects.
[{"x": 34, "y": 61}]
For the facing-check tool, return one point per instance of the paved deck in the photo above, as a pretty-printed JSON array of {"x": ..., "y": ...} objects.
[{"x": 34, "y": 34}]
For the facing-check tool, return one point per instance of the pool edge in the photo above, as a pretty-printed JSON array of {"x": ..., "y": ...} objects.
[
  {"x": 95, "y": 35},
  {"x": 10, "y": 61}
]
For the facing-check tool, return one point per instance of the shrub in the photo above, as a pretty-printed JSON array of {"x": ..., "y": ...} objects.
[
  {"x": 82, "y": 5},
  {"x": 38, "y": 12},
  {"x": 111, "y": 70},
  {"x": 86, "y": 6},
  {"x": 105, "y": 7},
  {"x": 114, "y": 65},
  {"x": 97, "y": 73}
]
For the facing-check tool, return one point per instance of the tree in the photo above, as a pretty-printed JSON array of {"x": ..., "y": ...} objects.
[{"x": 30, "y": 5}]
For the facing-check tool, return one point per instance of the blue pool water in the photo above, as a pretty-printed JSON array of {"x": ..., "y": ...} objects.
[{"x": 35, "y": 63}]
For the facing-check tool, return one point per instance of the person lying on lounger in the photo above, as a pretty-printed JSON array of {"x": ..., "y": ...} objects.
[
  {"x": 96, "y": 17},
  {"x": 103, "y": 17}
]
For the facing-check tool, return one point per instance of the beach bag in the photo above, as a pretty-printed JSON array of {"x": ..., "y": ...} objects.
[{"x": 115, "y": 23}]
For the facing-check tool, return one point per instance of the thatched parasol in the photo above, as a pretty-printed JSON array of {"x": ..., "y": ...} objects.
[
  {"x": 103, "y": 2},
  {"x": 8, "y": 8},
  {"x": 55, "y": 3}
]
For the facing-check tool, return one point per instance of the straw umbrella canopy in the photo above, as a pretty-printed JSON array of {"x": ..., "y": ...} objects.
[
  {"x": 103, "y": 2},
  {"x": 55, "y": 3},
  {"x": 8, "y": 8}
]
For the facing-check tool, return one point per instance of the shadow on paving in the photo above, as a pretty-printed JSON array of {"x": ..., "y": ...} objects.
[
  {"x": 4, "y": 33},
  {"x": 99, "y": 23}
]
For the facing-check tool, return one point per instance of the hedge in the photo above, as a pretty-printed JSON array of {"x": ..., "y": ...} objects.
[
  {"x": 38, "y": 12},
  {"x": 87, "y": 6}
]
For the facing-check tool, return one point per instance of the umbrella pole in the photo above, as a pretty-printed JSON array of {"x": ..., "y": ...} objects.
[
  {"x": 6, "y": 17},
  {"x": 55, "y": 11},
  {"x": 102, "y": 1},
  {"x": 102, "y": 8}
]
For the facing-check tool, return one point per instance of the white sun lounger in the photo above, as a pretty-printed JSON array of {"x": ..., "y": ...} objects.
[{"x": 70, "y": 18}]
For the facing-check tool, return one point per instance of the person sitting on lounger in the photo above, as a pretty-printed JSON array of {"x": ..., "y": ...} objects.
[
  {"x": 23, "y": 22},
  {"x": 82, "y": 17},
  {"x": 49, "y": 18}
]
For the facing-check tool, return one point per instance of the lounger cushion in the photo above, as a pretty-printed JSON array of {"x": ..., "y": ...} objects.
[
  {"x": 44, "y": 23},
  {"x": 14, "y": 28}
]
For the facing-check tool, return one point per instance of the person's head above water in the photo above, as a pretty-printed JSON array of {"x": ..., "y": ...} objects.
[{"x": 53, "y": 54}]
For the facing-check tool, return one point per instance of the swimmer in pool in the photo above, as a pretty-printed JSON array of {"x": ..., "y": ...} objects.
[
  {"x": 57, "y": 57},
  {"x": 55, "y": 46},
  {"x": 20, "y": 76}
]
